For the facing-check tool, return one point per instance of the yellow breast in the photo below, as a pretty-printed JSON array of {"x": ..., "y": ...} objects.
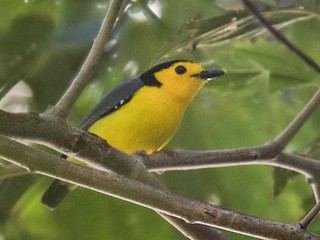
[{"x": 146, "y": 123}]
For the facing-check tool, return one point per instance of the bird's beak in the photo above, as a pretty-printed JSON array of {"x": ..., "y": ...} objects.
[{"x": 208, "y": 74}]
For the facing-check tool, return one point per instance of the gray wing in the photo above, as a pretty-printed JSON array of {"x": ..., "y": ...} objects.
[{"x": 114, "y": 100}]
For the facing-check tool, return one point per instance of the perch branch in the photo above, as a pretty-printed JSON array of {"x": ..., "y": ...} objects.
[
  {"x": 92, "y": 150},
  {"x": 191, "y": 211}
]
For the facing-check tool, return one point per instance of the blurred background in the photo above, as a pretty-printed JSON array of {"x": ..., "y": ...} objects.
[{"x": 44, "y": 42}]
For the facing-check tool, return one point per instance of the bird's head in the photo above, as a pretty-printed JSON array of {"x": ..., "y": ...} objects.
[{"x": 179, "y": 77}]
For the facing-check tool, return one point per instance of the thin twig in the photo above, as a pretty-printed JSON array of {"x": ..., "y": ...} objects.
[
  {"x": 85, "y": 73},
  {"x": 191, "y": 211},
  {"x": 307, "y": 59},
  {"x": 310, "y": 216}
]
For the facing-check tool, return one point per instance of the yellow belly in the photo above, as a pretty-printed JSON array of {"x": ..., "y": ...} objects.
[{"x": 146, "y": 123}]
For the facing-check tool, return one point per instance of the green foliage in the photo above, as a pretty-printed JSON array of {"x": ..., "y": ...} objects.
[{"x": 265, "y": 86}]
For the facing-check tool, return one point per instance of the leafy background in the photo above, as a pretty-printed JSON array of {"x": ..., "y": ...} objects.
[{"x": 44, "y": 42}]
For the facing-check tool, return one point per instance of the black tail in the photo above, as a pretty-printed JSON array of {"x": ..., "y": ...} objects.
[{"x": 55, "y": 194}]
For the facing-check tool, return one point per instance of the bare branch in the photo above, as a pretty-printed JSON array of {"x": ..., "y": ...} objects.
[
  {"x": 73, "y": 142},
  {"x": 310, "y": 216},
  {"x": 187, "y": 160},
  {"x": 83, "y": 77},
  {"x": 189, "y": 210},
  {"x": 94, "y": 151},
  {"x": 278, "y": 35}
]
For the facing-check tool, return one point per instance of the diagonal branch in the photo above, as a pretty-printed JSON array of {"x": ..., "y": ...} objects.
[
  {"x": 310, "y": 216},
  {"x": 278, "y": 35},
  {"x": 94, "y": 151},
  {"x": 58, "y": 135},
  {"x": 190, "y": 211}
]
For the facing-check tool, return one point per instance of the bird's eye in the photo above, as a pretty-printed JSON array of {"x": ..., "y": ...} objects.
[{"x": 180, "y": 69}]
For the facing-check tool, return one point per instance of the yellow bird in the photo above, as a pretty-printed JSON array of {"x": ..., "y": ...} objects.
[{"x": 142, "y": 113}]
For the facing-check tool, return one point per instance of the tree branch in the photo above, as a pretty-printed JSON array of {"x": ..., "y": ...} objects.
[
  {"x": 92, "y": 150},
  {"x": 187, "y": 160},
  {"x": 189, "y": 210},
  {"x": 95, "y": 151},
  {"x": 73, "y": 142},
  {"x": 278, "y": 35},
  {"x": 85, "y": 73},
  {"x": 310, "y": 216}
]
